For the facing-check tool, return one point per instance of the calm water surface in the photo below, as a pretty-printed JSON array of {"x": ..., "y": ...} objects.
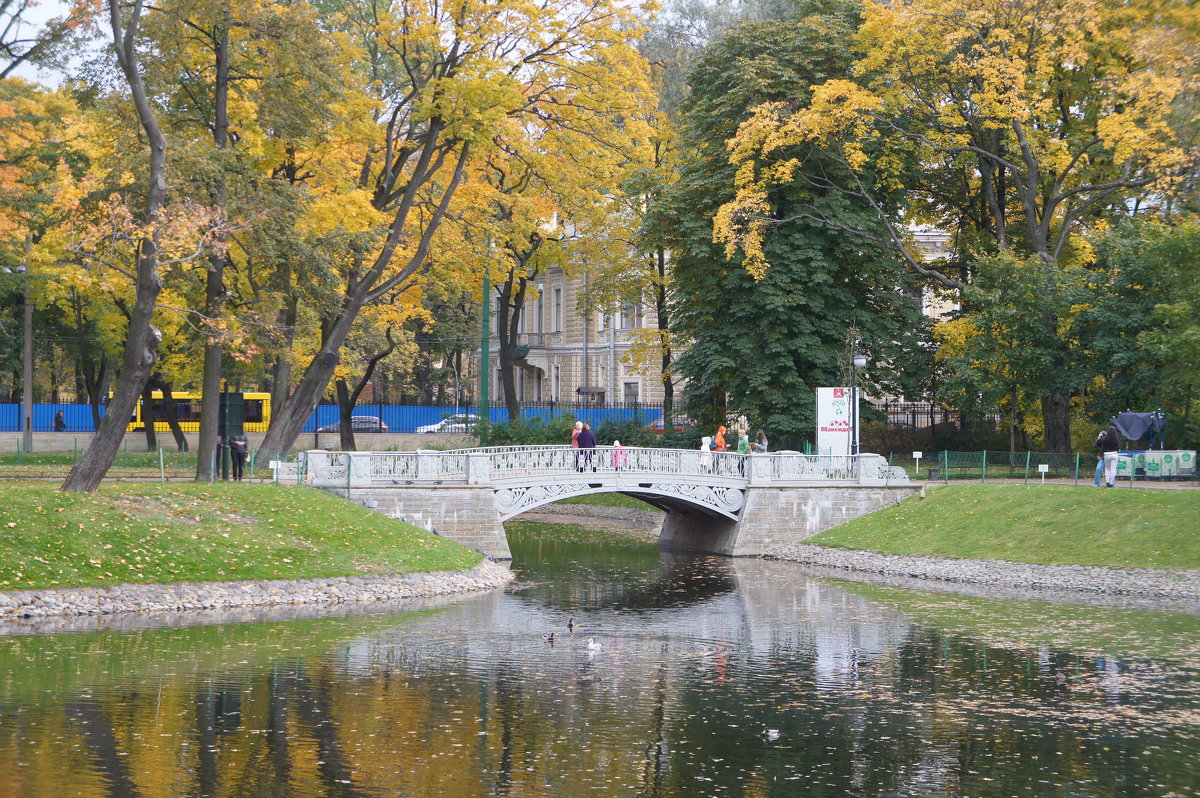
[{"x": 709, "y": 677}]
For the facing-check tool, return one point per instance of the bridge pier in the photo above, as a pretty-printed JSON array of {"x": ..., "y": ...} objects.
[
  {"x": 773, "y": 516},
  {"x": 463, "y": 513}
]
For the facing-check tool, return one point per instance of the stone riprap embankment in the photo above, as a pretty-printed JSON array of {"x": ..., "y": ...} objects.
[
  {"x": 114, "y": 599},
  {"x": 1170, "y": 584}
]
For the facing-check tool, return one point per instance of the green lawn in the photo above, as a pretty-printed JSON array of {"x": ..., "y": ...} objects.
[
  {"x": 1036, "y": 524},
  {"x": 154, "y": 533}
]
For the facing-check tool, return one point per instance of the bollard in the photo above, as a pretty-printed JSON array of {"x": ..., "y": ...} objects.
[{"x": 162, "y": 471}]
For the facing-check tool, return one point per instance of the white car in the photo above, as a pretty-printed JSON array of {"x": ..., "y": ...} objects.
[{"x": 459, "y": 423}]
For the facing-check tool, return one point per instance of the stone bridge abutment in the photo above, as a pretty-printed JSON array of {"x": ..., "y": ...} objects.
[{"x": 719, "y": 503}]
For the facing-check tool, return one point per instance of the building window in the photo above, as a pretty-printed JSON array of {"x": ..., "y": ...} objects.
[
  {"x": 558, "y": 302},
  {"x": 556, "y": 384},
  {"x": 629, "y": 395},
  {"x": 631, "y": 316},
  {"x": 541, "y": 312}
]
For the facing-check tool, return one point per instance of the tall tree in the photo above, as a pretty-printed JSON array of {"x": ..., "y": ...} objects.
[
  {"x": 141, "y": 338},
  {"x": 1018, "y": 122},
  {"x": 444, "y": 78},
  {"x": 759, "y": 347}
]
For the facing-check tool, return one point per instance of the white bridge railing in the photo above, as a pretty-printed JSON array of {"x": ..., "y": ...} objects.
[{"x": 508, "y": 465}]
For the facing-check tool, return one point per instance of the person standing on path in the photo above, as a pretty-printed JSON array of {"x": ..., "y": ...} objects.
[
  {"x": 238, "y": 447},
  {"x": 587, "y": 447},
  {"x": 1109, "y": 443}
]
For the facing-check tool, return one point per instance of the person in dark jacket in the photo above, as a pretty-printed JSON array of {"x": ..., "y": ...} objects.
[
  {"x": 238, "y": 447},
  {"x": 587, "y": 448},
  {"x": 1109, "y": 442}
]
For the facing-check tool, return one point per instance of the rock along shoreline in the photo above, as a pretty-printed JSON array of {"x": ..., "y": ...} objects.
[
  {"x": 115, "y": 599},
  {"x": 1142, "y": 582}
]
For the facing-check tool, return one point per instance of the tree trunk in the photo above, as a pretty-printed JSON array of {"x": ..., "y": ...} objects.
[
  {"x": 214, "y": 286},
  {"x": 149, "y": 417},
  {"x": 1056, "y": 419},
  {"x": 288, "y": 419},
  {"x": 170, "y": 410},
  {"x": 345, "y": 416},
  {"x": 282, "y": 373},
  {"x": 141, "y": 338}
]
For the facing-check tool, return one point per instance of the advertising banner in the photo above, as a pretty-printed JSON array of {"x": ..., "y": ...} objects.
[{"x": 833, "y": 421}]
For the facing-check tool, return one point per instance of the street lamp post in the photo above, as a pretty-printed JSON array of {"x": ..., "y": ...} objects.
[
  {"x": 26, "y": 358},
  {"x": 857, "y": 361}
]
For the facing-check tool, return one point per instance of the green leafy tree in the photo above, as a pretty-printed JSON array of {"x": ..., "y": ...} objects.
[{"x": 760, "y": 346}]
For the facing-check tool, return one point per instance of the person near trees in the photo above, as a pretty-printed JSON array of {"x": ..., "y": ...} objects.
[
  {"x": 719, "y": 440},
  {"x": 238, "y": 448},
  {"x": 60, "y": 423},
  {"x": 760, "y": 442},
  {"x": 1109, "y": 442}
]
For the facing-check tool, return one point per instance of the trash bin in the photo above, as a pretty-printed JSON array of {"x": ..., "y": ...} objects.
[{"x": 934, "y": 474}]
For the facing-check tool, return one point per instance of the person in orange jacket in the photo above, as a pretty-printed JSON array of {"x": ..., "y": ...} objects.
[{"x": 719, "y": 440}]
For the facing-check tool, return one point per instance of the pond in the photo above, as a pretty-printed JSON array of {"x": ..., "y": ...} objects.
[{"x": 706, "y": 676}]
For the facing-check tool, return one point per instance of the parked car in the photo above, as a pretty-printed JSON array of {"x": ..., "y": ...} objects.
[
  {"x": 658, "y": 425},
  {"x": 358, "y": 424},
  {"x": 459, "y": 423}
]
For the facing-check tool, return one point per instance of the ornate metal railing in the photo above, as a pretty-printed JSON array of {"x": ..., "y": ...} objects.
[{"x": 509, "y": 464}]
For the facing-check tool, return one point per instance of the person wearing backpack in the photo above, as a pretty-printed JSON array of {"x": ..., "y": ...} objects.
[{"x": 1109, "y": 442}]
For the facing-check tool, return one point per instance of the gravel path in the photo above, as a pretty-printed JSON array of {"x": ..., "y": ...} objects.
[
  {"x": 1170, "y": 584},
  {"x": 487, "y": 575}
]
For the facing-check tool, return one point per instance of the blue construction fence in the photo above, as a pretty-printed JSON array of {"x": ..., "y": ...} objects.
[{"x": 396, "y": 418}]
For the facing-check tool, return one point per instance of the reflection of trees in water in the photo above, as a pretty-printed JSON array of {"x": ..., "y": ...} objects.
[{"x": 470, "y": 702}]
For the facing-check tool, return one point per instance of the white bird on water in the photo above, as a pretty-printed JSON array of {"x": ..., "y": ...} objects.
[{"x": 593, "y": 645}]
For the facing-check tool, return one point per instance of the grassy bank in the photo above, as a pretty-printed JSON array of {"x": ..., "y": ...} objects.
[
  {"x": 146, "y": 533},
  {"x": 1036, "y": 524}
]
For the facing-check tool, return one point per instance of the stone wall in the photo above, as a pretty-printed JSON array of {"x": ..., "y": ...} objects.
[
  {"x": 463, "y": 513},
  {"x": 775, "y": 516}
]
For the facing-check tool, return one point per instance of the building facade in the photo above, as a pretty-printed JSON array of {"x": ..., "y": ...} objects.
[{"x": 567, "y": 356}]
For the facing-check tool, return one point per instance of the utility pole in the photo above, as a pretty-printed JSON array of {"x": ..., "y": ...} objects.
[
  {"x": 486, "y": 346},
  {"x": 27, "y": 355}
]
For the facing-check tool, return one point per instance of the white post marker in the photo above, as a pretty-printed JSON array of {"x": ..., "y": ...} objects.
[
  {"x": 917, "y": 456},
  {"x": 1042, "y": 469}
]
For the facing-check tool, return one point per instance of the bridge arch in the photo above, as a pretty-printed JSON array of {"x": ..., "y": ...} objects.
[{"x": 718, "y": 500}]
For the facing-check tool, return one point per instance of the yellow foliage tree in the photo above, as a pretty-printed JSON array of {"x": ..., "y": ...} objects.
[{"x": 1013, "y": 124}]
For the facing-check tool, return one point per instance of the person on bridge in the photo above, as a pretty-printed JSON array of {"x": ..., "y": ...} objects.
[
  {"x": 719, "y": 440},
  {"x": 575, "y": 430},
  {"x": 618, "y": 456},
  {"x": 760, "y": 442},
  {"x": 587, "y": 448},
  {"x": 705, "y": 454}
]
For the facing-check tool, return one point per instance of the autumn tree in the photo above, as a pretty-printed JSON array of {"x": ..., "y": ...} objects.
[
  {"x": 443, "y": 80},
  {"x": 1013, "y": 125},
  {"x": 141, "y": 338}
]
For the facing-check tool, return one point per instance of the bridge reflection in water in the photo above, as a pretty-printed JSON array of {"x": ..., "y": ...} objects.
[{"x": 716, "y": 502}]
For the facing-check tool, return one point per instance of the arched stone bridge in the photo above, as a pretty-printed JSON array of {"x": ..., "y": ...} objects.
[{"x": 716, "y": 502}]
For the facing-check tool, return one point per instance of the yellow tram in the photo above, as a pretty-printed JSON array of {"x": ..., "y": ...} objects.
[{"x": 187, "y": 410}]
